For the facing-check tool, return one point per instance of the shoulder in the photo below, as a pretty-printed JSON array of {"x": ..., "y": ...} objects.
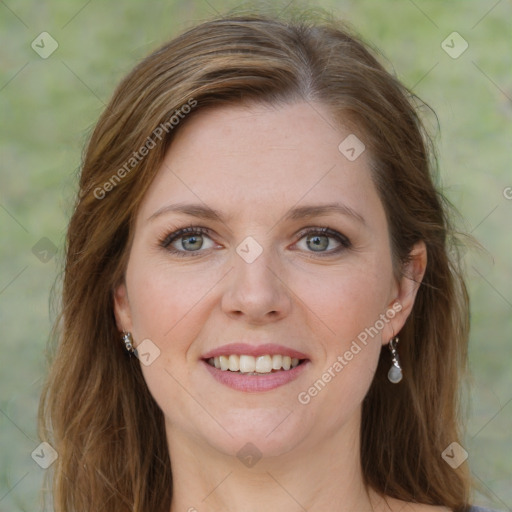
[
  {"x": 415, "y": 507},
  {"x": 421, "y": 507},
  {"x": 389, "y": 504},
  {"x": 395, "y": 505},
  {"x": 475, "y": 508}
]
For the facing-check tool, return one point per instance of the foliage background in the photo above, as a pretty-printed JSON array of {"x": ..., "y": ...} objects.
[{"x": 49, "y": 107}]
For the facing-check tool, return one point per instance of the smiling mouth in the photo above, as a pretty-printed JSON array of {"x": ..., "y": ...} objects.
[{"x": 250, "y": 365}]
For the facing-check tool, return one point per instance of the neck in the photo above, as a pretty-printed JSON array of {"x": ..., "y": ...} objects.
[{"x": 311, "y": 476}]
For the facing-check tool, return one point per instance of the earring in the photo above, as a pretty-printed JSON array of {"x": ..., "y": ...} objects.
[
  {"x": 128, "y": 342},
  {"x": 395, "y": 372}
]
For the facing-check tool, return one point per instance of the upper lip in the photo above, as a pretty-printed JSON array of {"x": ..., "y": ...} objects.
[{"x": 254, "y": 350}]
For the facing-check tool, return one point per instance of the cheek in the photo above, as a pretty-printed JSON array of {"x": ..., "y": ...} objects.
[
  {"x": 345, "y": 301},
  {"x": 169, "y": 307},
  {"x": 162, "y": 298},
  {"x": 347, "y": 309}
]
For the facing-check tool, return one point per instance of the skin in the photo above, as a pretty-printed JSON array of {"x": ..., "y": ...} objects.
[{"x": 253, "y": 163}]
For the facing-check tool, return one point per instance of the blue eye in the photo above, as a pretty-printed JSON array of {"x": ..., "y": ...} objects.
[
  {"x": 320, "y": 239},
  {"x": 187, "y": 240},
  {"x": 191, "y": 241}
]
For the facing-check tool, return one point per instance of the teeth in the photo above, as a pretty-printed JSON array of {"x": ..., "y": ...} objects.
[
  {"x": 247, "y": 364},
  {"x": 263, "y": 364},
  {"x": 277, "y": 362},
  {"x": 234, "y": 363},
  {"x": 253, "y": 365},
  {"x": 224, "y": 363}
]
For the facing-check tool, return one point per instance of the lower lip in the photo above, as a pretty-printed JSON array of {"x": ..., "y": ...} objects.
[{"x": 255, "y": 383}]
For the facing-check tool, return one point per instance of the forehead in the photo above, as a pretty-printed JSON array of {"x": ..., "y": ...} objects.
[{"x": 239, "y": 158}]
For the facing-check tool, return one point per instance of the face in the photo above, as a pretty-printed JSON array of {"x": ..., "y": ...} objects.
[{"x": 286, "y": 253}]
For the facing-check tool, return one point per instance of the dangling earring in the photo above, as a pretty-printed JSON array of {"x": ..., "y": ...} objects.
[
  {"x": 395, "y": 372},
  {"x": 128, "y": 342}
]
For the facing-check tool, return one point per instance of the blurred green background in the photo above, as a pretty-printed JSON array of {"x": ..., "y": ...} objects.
[{"x": 49, "y": 107}]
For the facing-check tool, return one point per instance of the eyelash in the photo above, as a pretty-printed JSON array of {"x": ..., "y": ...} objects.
[{"x": 168, "y": 239}]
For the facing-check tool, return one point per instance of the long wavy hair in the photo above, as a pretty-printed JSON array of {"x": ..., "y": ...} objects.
[{"x": 96, "y": 410}]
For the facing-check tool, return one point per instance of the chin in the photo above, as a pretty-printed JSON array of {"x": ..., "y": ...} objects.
[{"x": 269, "y": 432}]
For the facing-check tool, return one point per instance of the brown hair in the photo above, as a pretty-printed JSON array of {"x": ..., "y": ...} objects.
[{"x": 96, "y": 409}]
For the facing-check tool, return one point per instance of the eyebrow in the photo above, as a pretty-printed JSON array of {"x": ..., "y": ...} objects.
[{"x": 301, "y": 212}]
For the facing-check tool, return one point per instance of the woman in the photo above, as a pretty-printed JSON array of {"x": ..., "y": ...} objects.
[{"x": 261, "y": 305}]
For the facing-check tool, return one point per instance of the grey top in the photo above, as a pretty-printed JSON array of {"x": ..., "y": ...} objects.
[{"x": 475, "y": 508}]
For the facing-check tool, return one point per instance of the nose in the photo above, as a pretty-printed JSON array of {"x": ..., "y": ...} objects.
[{"x": 256, "y": 291}]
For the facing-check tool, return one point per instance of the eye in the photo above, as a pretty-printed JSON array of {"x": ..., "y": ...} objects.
[
  {"x": 194, "y": 240},
  {"x": 187, "y": 240},
  {"x": 323, "y": 240}
]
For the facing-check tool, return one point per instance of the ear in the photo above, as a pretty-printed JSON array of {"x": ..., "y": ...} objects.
[
  {"x": 122, "y": 310},
  {"x": 407, "y": 287}
]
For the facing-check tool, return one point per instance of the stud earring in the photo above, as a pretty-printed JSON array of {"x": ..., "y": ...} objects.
[
  {"x": 128, "y": 342},
  {"x": 395, "y": 372}
]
